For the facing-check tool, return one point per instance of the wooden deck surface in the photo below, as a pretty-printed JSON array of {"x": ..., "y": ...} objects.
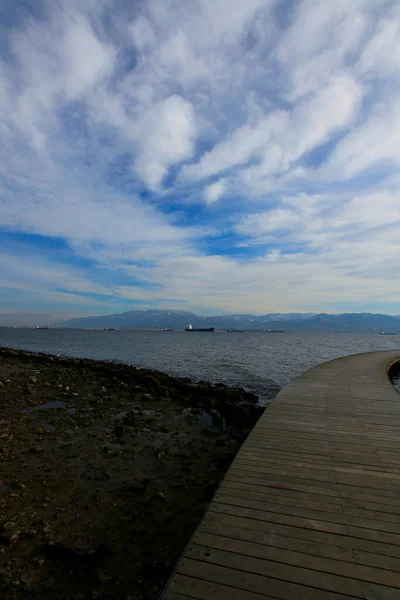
[{"x": 310, "y": 507}]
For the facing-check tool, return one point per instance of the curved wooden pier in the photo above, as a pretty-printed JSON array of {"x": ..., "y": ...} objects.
[{"x": 310, "y": 507}]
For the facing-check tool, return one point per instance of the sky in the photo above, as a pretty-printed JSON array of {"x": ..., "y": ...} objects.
[{"x": 218, "y": 156}]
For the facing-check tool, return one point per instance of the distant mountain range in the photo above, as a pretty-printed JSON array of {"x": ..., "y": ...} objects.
[{"x": 178, "y": 319}]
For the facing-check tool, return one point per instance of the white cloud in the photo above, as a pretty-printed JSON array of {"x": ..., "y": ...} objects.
[
  {"x": 248, "y": 141},
  {"x": 143, "y": 35},
  {"x": 280, "y": 139},
  {"x": 381, "y": 55},
  {"x": 274, "y": 221},
  {"x": 319, "y": 39},
  {"x": 374, "y": 141},
  {"x": 166, "y": 135},
  {"x": 215, "y": 191}
]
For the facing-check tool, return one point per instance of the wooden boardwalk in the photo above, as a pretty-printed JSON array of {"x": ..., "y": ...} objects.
[{"x": 310, "y": 508}]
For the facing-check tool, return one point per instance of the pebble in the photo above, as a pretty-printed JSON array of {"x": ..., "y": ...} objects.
[
  {"x": 119, "y": 431},
  {"x": 33, "y": 379},
  {"x": 30, "y": 532},
  {"x": 8, "y": 537}
]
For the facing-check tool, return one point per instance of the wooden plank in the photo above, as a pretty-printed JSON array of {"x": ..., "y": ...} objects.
[
  {"x": 313, "y": 535},
  {"x": 300, "y": 559},
  {"x": 323, "y": 521},
  {"x": 320, "y": 465},
  {"x": 284, "y": 572},
  {"x": 325, "y": 549},
  {"x": 304, "y": 500},
  {"x": 384, "y": 497},
  {"x": 251, "y": 582},
  {"x": 206, "y": 590},
  {"x": 310, "y": 507},
  {"x": 312, "y": 482},
  {"x": 312, "y": 511},
  {"x": 173, "y": 596}
]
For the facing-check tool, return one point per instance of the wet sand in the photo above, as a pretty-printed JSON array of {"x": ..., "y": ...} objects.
[{"x": 105, "y": 471}]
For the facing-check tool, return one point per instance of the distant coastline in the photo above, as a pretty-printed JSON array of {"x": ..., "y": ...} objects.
[{"x": 270, "y": 322}]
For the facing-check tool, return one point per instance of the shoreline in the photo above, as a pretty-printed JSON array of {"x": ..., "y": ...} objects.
[{"x": 106, "y": 471}]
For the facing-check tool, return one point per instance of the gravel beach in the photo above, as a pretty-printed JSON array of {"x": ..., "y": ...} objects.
[{"x": 105, "y": 471}]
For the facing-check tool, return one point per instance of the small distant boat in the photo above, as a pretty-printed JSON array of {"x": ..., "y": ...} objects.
[
  {"x": 275, "y": 331},
  {"x": 42, "y": 327},
  {"x": 166, "y": 329},
  {"x": 387, "y": 333},
  {"x": 235, "y": 330},
  {"x": 109, "y": 328},
  {"x": 191, "y": 328}
]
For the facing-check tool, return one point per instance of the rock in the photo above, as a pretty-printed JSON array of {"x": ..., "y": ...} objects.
[
  {"x": 75, "y": 394},
  {"x": 119, "y": 431},
  {"x": 30, "y": 532},
  {"x": 36, "y": 449},
  {"x": 148, "y": 381},
  {"x": 134, "y": 488},
  {"x": 113, "y": 449},
  {"x": 67, "y": 444},
  {"x": 33, "y": 379},
  {"x": 130, "y": 418},
  {"x": 217, "y": 419},
  {"x": 8, "y": 537},
  {"x": 67, "y": 388},
  {"x": 1, "y": 384}
]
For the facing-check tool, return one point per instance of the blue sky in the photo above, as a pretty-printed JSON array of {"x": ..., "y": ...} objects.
[{"x": 213, "y": 155}]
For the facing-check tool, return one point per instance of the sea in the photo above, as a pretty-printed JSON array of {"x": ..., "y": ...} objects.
[{"x": 260, "y": 362}]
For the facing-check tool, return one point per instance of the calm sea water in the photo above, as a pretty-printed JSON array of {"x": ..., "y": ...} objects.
[{"x": 259, "y": 362}]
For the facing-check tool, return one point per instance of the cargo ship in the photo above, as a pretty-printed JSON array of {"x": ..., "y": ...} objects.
[{"x": 191, "y": 328}]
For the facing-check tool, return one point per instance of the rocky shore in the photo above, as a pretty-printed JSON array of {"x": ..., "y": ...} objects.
[{"x": 105, "y": 470}]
